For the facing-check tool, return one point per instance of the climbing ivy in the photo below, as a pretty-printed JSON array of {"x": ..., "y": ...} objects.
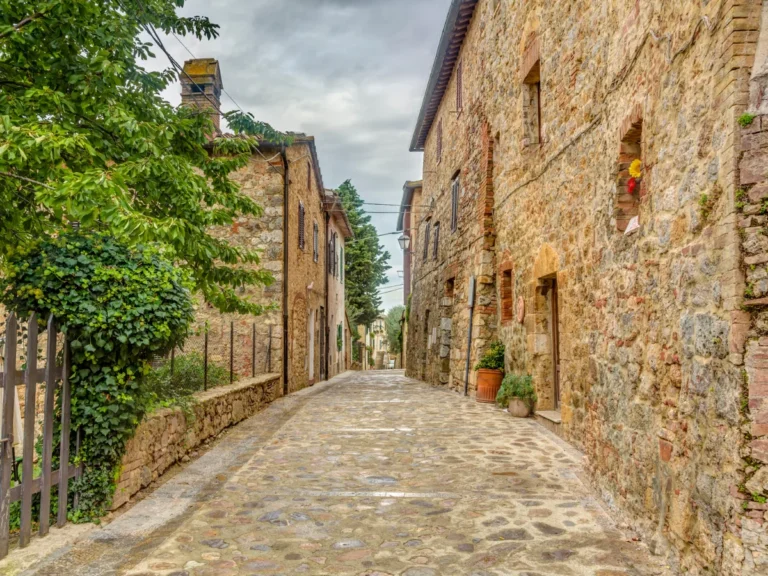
[{"x": 118, "y": 307}]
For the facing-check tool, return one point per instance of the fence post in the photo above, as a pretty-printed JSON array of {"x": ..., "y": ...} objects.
[
  {"x": 27, "y": 454},
  {"x": 205, "y": 362},
  {"x": 64, "y": 448},
  {"x": 269, "y": 351},
  {"x": 253, "y": 352},
  {"x": 6, "y": 434},
  {"x": 231, "y": 352},
  {"x": 50, "y": 399}
]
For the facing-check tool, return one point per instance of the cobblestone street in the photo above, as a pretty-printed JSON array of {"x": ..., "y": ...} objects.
[{"x": 378, "y": 475}]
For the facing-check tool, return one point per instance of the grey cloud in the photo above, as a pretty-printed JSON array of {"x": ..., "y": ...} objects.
[{"x": 350, "y": 72}]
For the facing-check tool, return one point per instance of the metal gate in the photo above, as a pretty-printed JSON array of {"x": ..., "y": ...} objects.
[{"x": 21, "y": 485}]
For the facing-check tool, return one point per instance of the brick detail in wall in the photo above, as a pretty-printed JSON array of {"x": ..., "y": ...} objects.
[
  {"x": 753, "y": 176},
  {"x": 506, "y": 292},
  {"x": 531, "y": 55},
  {"x": 486, "y": 188}
]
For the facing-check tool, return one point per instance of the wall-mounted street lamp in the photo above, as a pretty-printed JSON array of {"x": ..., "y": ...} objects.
[{"x": 405, "y": 242}]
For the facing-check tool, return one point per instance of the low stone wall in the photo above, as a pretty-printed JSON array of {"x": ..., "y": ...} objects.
[{"x": 165, "y": 436}]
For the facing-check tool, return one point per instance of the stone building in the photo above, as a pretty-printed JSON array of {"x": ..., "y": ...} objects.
[
  {"x": 339, "y": 230},
  {"x": 586, "y": 177},
  {"x": 410, "y": 212},
  {"x": 290, "y": 235}
]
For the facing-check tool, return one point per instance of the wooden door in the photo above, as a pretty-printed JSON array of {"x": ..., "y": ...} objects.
[{"x": 556, "y": 342}]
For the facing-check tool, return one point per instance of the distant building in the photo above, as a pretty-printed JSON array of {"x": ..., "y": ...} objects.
[
  {"x": 338, "y": 231},
  {"x": 292, "y": 238}
]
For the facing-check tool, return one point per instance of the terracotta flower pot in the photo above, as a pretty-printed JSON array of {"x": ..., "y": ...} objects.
[
  {"x": 488, "y": 384},
  {"x": 518, "y": 408}
]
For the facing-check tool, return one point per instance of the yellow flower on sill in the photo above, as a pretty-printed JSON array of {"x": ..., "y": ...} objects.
[{"x": 636, "y": 169}]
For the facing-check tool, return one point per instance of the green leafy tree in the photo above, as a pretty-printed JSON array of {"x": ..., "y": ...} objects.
[
  {"x": 394, "y": 329},
  {"x": 366, "y": 261},
  {"x": 118, "y": 307},
  {"x": 86, "y": 137}
]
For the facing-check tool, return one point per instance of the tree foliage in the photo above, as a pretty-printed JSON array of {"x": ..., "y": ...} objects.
[
  {"x": 394, "y": 329},
  {"x": 366, "y": 261},
  {"x": 85, "y": 136},
  {"x": 118, "y": 307}
]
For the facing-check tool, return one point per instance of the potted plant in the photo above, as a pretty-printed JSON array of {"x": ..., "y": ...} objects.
[
  {"x": 490, "y": 371},
  {"x": 517, "y": 395}
]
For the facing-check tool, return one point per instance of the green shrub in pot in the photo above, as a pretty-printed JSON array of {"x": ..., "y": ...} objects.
[{"x": 516, "y": 386}]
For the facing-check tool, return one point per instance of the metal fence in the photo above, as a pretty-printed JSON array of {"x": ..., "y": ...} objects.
[
  {"x": 20, "y": 485},
  {"x": 243, "y": 348}
]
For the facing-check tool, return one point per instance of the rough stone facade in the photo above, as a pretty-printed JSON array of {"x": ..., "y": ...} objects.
[
  {"x": 635, "y": 338},
  {"x": 339, "y": 232},
  {"x": 166, "y": 436},
  {"x": 299, "y": 308}
]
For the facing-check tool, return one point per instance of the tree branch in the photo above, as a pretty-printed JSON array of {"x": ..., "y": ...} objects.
[
  {"x": 19, "y": 25},
  {"x": 25, "y": 179}
]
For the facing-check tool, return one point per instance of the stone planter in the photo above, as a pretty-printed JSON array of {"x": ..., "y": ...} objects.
[
  {"x": 518, "y": 408},
  {"x": 488, "y": 384}
]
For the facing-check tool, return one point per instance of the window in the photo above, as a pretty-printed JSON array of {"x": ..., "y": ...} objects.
[
  {"x": 439, "y": 141},
  {"x": 309, "y": 176},
  {"x": 301, "y": 226},
  {"x": 332, "y": 255},
  {"x": 341, "y": 265},
  {"x": 315, "y": 242},
  {"x": 450, "y": 287},
  {"x": 426, "y": 239},
  {"x": 507, "y": 305},
  {"x": 437, "y": 241},
  {"x": 459, "y": 87},
  {"x": 532, "y": 106},
  {"x": 629, "y": 185},
  {"x": 455, "y": 203}
]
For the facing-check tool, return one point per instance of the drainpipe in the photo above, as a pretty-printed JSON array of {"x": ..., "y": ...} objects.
[
  {"x": 286, "y": 182},
  {"x": 469, "y": 333},
  {"x": 327, "y": 315}
]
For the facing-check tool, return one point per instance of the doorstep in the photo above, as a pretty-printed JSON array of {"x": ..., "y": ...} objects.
[{"x": 551, "y": 420}]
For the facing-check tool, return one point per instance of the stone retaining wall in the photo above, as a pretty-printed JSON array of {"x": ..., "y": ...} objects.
[{"x": 165, "y": 436}]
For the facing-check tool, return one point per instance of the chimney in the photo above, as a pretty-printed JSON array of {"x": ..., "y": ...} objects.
[{"x": 201, "y": 87}]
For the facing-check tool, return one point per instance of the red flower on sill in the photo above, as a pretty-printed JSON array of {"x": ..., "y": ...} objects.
[{"x": 632, "y": 185}]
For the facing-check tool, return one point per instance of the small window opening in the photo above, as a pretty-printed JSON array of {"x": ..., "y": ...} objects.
[
  {"x": 630, "y": 178},
  {"x": 450, "y": 286},
  {"x": 532, "y": 106},
  {"x": 507, "y": 305}
]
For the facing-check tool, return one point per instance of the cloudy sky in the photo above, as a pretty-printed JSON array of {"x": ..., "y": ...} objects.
[{"x": 350, "y": 72}]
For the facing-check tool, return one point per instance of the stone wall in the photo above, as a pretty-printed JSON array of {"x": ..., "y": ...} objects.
[
  {"x": 262, "y": 181},
  {"x": 651, "y": 329},
  {"x": 750, "y": 332},
  {"x": 306, "y": 276},
  {"x": 166, "y": 436}
]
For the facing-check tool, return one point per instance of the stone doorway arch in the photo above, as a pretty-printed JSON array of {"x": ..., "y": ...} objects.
[{"x": 544, "y": 343}]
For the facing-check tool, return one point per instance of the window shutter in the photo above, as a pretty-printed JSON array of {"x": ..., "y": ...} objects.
[
  {"x": 315, "y": 240},
  {"x": 437, "y": 240},
  {"x": 309, "y": 176},
  {"x": 459, "y": 87},
  {"x": 341, "y": 265},
  {"x": 455, "y": 204},
  {"x": 426, "y": 240},
  {"x": 301, "y": 225},
  {"x": 440, "y": 140}
]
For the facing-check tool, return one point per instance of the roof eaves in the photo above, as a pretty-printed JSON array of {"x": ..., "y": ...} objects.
[
  {"x": 408, "y": 189},
  {"x": 454, "y": 31}
]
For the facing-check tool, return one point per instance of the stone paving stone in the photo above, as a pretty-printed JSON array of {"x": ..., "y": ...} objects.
[{"x": 385, "y": 476}]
